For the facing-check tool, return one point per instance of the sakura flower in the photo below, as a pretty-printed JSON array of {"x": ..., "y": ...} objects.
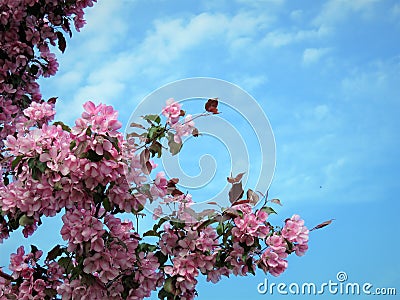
[
  {"x": 159, "y": 188},
  {"x": 273, "y": 263},
  {"x": 295, "y": 231},
  {"x": 172, "y": 111},
  {"x": 183, "y": 129}
]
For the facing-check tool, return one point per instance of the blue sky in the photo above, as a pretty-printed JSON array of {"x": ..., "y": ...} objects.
[{"x": 327, "y": 75}]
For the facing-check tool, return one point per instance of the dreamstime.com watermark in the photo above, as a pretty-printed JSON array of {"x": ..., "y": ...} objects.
[{"x": 340, "y": 286}]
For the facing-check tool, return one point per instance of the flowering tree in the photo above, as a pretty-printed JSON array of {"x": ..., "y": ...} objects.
[{"x": 91, "y": 173}]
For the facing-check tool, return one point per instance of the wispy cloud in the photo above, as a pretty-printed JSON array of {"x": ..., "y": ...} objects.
[
  {"x": 279, "y": 38},
  {"x": 396, "y": 10},
  {"x": 313, "y": 55},
  {"x": 156, "y": 57},
  {"x": 334, "y": 11},
  {"x": 237, "y": 44}
]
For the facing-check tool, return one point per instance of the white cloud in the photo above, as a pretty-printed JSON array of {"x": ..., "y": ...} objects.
[
  {"x": 313, "y": 55},
  {"x": 106, "y": 26},
  {"x": 70, "y": 79},
  {"x": 337, "y": 10},
  {"x": 250, "y": 83},
  {"x": 321, "y": 111},
  {"x": 170, "y": 38},
  {"x": 374, "y": 81},
  {"x": 279, "y": 38},
  {"x": 396, "y": 10},
  {"x": 106, "y": 73},
  {"x": 296, "y": 15},
  {"x": 263, "y": 3}
]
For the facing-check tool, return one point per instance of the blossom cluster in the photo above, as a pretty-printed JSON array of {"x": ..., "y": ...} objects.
[
  {"x": 243, "y": 240},
  {"x": 90, "y": 173},
  {"x": 37, "y": 281},
  {"x": 173, "y": 112},
  {"x": 81, "y": 170},
  {"x": 57, "y": 167},
  {"x": 28, "y": 29}
]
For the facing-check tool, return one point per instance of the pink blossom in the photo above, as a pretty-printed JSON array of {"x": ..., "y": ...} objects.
[
  {"x": 300, "y": 249},
  {"x": 273, "y": 263},
  {"x": 157, "y": 212},
  {"x": 39, "y": 285},
  {"x": 159, "y": 188},
  {"x": 172, "y": 111},
  {"x": 295, "y": 231},
  {"x": 183, "y": 129},
  {"x": 277, "y": 244},
  {"x": 249, "y": 226},
  {"x": 168, "y": 240},
  {"x": 80, "y": 226}
]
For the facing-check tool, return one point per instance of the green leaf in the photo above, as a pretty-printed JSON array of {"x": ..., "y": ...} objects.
[
  {"x": 160, "y": 222},
  {"x": 88, "y": 131},
  {"x": 66, "y": 25},
  {"x": 42, "y": 166},
  {"x": 36, "y": 174},
  {"x": 66, "y": 263},
  {"x": 75, "y": 272},
  {"x": 163, "y": 294},
  {"x": 25, "y": 220},
  {"x": 16, "y": 161},
  {"x": 58, "y": 186},
  {"x": 139, "y": 209},
  {"x": 72, "y": 145},
  {"x": 236, "y": 192},
  {"x": 26, "y": 101},
  {"x": 93, "y": 156},
  {"x": 88, "y": 279},
  {"x": 155, "y": 148},
  {"x": 146, "y": 247},
  {"x": 174, "y": 147},
  {"x": 151, "y": 233},
  {"x": 97, "y": 198},
  {"x": 34, "y": 249},
  {"x": 53, "y": 253},
  {"x": 178, "y": 224},
  {"x": 129, "y": 283},
  {"x": 31, "y": 163},
  {"x": 220, "y": 228},
  {"x": 107, "y": 155},
  {"x": 62, "y": 43},
  {"x": 33, "y": 69},
  {"x": 152, "y": 118},
  {"x": 13, "y": 224},
  {"x": 227, "y": 234},
  {"x": 207, "y": 223},
  {"x": 107, "y": 204},
  {"x": 268, "y": 210},
  {"x": 162, "y": 259},
  {"x": 51, "y": 293},
  {"x": 152, "y": 248},
  {"x": 290, "y": 245},
  {"x": 152, "y": 132},
  {"x": 220, "y": 259},
  {"x": 169, "y": 285},
  {"x": 114, "y": 142},
  {"x": 63, "y": 126},
  {"x": 249, "y": 264}
]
